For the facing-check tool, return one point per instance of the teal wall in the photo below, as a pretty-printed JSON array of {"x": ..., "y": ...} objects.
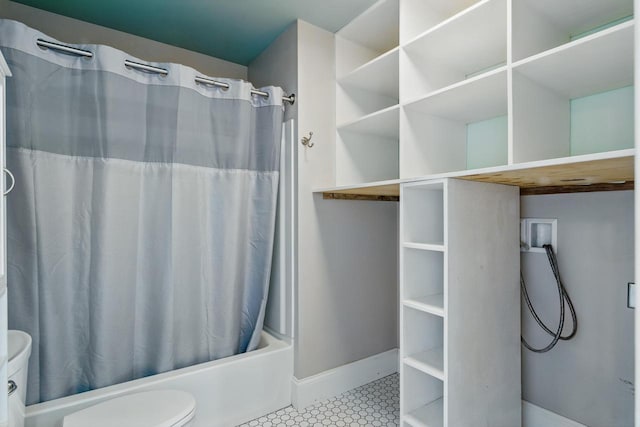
[
  {"x": 602, "y": 122},
  {"x": 487, "y": 143}
]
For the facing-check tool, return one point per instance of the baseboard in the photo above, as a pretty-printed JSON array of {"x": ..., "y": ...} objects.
[
  {"x": 336, "y": 381},
  {"x": 535, "y": 416}
]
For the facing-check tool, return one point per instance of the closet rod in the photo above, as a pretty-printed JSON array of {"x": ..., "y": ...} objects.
[{"x": 291, "y": 99}]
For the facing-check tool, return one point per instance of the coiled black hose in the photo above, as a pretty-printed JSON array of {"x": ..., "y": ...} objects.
[{"x": 564, "y": 298}]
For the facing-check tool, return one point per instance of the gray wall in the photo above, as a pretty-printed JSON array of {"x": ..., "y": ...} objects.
[
  {"x": 75, "y": 31},
  {"x": 346, "y": 285},
  {"x": 587, "y": 379}
]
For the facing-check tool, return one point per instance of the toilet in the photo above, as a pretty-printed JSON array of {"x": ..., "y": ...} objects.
[
  {"x": 19, "y": 346},
  {"x": 156, "y": 408}
]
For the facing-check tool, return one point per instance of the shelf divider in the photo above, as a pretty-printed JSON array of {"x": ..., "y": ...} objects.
[
  {"x": 430, "y": 415},
  {"x": 433, "y": 304},
  {"x": 430, "y": 362}
]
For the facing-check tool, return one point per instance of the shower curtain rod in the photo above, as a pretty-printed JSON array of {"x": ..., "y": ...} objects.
[{"x": 44, "y": 44}]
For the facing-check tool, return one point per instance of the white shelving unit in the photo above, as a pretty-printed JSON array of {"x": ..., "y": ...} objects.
[
  {"x": 433, "y": 87},
  {"x": 457, "y": 261},
  {"x": 483, "y": 87},
  {"x": 367, "y": 96},
  {"x": 536, "y": 94}
]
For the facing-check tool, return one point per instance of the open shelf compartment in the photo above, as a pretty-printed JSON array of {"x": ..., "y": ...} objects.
[
  {"x": 367, "y": 150},
  {"x": 422, "y": 399},
  {"x": 369, "y": 36},
  {"x": 423, "y": 213},
  {"x": 380, "y": 75},
  {"x": 576, "y": 99},
  {"x": 423, "y": 335},
  {"x": 472, "y": 42},
  {"x": 418, "y": 16},
  {"x": 461, "y": 127},
  {"x": 423, "y": 278},
  {"x": 540, "y": 25}
]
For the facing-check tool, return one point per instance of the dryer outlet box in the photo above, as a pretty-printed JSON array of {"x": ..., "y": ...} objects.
[{"x": 537, "y": 232}]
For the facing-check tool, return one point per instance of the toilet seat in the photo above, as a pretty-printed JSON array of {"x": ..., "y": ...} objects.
[{"x": 160, "y": 408}]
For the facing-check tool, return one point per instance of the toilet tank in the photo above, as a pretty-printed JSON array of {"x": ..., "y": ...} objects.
[{"x": 19, "y": 345}]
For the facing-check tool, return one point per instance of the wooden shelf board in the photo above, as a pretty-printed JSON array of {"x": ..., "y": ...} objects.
[
  {"x": 590, "y": 172},
  {"x": 597, "y": 63},
  {"x": 380, "y": 75},
  {"x": 431, "y": 362},
  {"x": 384, "y": 123},
  {"x": 438, "y": 247},
  {"x": 380, "y": 188},
  {"x": 429, "y": 415},
  {"x": 581, "y": 174},
  {"x": 432, "y": 304}
]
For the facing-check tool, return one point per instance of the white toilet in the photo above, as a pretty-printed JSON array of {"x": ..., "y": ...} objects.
[
  {"x": 157, "y": 408},
  {"x": 19, "y": 346}
]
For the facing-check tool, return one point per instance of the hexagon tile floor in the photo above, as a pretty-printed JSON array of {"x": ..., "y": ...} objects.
[{"x": 373, "y": 404}]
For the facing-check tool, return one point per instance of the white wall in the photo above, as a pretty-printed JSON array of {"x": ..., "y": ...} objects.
[
  {"x": 346, "y": 285},
  {"x": 75, "y": 31},
  {"x": 347, "y": 250},
  {"x": 590, "y": 378}
]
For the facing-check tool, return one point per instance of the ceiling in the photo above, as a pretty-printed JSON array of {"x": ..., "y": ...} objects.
[{"x": 235, "y": 30}]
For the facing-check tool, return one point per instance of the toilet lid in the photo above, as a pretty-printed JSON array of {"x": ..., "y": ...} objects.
[{"x": 161, "y": 408}]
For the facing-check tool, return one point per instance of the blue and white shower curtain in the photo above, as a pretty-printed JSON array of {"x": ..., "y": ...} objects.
[{"x": 142, "y": 223}]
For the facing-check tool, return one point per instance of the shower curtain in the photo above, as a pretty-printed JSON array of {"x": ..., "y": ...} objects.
[{"x": 142, "y": 223}]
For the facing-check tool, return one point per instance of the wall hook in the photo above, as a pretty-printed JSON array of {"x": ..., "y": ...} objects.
[{"x": 306, "y": 140}]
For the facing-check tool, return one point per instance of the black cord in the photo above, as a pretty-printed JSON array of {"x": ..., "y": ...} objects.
[{"x": 564, "y": 297}]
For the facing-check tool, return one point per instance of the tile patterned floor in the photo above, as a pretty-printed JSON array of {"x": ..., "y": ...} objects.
[{"x": 373, "y": 404}]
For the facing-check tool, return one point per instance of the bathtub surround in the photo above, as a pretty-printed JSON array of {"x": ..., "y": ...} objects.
[{"x": 142, "y": 226}]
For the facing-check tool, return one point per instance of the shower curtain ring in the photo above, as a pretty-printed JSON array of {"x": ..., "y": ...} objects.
[{"x": 13, "y": 181}]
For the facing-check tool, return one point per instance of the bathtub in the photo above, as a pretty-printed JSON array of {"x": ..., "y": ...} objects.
[{"x": 228, "y": 391}]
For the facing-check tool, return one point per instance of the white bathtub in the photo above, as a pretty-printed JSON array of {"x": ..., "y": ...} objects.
[{"x": 228, "y": 391}]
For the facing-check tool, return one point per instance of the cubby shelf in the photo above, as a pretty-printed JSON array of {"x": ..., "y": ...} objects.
[
  {"x": 430, "y": 415},
  {"x": 593, "y": 64},
  {"x": 383, "y": 123},
  {"x": 431, "y": 362},
  {"x": 540, "y": 25},
  {"x": 433, "y": 304},
  {"x": 446, "y": 54},
  {"x": 380, "y": 75},
  {"x": 472, "y": 100},
  {"x": 376, "y": 29},
  {"x": 440, "y": 336},
  {"x": 367, "y": 98},
  {"x": 425, "y": 246}
]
